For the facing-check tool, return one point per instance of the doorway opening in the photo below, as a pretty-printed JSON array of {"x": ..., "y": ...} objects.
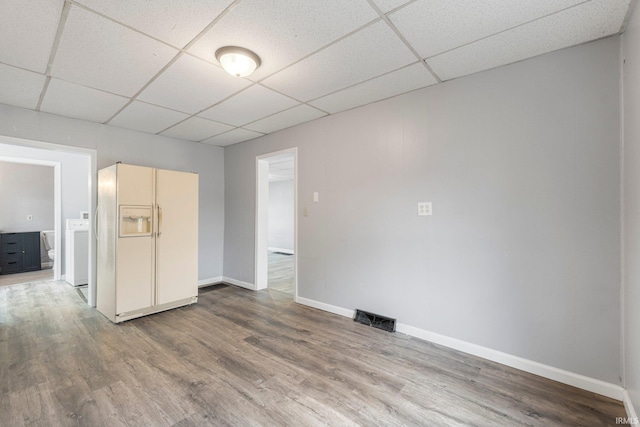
[
  {"x": 27, "y": 220},
  {"x": 276, "y": 230},
  {"x": 74, "y": 169}
]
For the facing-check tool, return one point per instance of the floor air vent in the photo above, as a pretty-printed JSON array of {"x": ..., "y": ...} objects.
[{"x": 375, "y": 320}]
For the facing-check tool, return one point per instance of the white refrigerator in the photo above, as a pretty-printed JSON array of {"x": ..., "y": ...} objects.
[{"x": 147, "y": 241}]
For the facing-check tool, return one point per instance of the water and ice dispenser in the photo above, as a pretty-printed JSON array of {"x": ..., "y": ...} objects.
[{"x": 135, "y": 221}]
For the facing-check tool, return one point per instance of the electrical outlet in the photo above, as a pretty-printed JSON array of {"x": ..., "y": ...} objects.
[
  {"x": 425, "y": 209},
  {"x": 29, "y": 217}
]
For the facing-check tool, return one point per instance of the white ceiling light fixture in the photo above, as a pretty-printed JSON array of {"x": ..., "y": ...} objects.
[{"x": 237, "y": 61}]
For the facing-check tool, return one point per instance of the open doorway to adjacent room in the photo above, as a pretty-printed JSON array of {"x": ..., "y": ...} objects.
[
  {"x": 27, "y": 221},
  {"x": 74, "y": 191},
  {"x": 276, "y": 222}
]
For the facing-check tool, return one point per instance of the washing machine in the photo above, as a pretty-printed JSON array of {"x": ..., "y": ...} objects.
[{"x": 77, "y": 252}]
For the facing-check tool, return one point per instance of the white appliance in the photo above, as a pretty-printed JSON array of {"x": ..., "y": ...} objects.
[
  {"x": 147, "y": 241},
  {"x": 76, "y": 260}
]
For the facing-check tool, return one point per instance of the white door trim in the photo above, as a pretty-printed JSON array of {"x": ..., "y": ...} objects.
[
  {"x": 261, "y": 218},
  {"x": 93, "y": 200}
]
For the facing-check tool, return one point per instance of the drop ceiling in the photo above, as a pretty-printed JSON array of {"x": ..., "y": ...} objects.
[{"x": 150, "y": 65}]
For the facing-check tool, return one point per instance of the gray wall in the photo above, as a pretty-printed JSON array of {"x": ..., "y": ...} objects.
[
  {"x": 281, "y": 215},
  {"x": 522, "y": 253},
  {"x": 116, "y": 144},
  {"x": 26, "y": 190},
  {"x": 631, "y": 213}
]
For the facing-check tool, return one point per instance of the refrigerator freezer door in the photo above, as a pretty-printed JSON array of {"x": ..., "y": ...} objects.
[{"x": 177, "y": 241}]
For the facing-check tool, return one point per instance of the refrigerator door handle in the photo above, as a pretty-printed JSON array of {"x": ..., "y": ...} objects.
[
  {"x": 159, "y": 221},
  {"x": 95, "y": 223}
]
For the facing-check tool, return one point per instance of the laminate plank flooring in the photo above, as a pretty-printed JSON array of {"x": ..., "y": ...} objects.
[
  {"x": 280, "y": 272},
  {"x": 26, "y": 277},
  {"x": 247, "y": 358}
]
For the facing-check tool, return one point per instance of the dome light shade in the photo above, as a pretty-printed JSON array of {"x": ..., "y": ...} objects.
[{"x": 237, "y": 61}]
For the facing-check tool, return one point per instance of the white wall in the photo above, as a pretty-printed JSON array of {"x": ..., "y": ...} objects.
[
  {"x": 26, "y": 190},
  {"x": 522, "y": 254},
  {"x": 631, "y": 208},
  {"x": 116, "y": 144},
  {"x": 281, "y": 215}
]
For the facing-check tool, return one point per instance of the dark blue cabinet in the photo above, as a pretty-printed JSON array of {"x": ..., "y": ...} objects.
[{"x": 19, "y": 252}]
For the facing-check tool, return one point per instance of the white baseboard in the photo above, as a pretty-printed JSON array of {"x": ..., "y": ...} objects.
[
  {"x": 576, "y": 380},
  {"x": 240, "y": 283},
  {"x": 209, "y": 281},
  {"x": 284, "y": 251},
  {"x": 628, "y": 406},
  {"x": 326, "y": 307}
]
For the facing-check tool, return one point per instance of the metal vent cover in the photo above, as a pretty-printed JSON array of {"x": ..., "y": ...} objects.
[{"x": 375, "y": 320}]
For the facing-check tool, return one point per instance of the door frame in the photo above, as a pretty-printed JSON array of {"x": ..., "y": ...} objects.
[
  {"x": 262, "y": 218},
  {"x": 93, "y": 199}
]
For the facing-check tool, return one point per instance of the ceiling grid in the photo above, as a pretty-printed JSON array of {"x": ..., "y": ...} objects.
[{"x": 150, "y": 66}]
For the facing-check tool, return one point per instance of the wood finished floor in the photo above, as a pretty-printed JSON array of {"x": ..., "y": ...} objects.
[
  {"x": 29, "y": 276},
  {"x": 246, "y": 358},
  {"x": 280, "y": 272}
]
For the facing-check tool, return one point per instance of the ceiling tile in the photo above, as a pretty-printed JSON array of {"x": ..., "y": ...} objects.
[
  {"x": 285, "y": 119},
  {"x": 97, "y": 52},
  {"x": 249, "y": 105},
  {"x": 21, "y": 88},
  {"x": 175, "y": 22},
  {"x": 196, "y": 129},
  {"x": 370, "y": 52},
  {"x": 589, "y": 21},
  {"x": 388, "y": 5},
  {"x": 147, "y": 118},
  {"x": 191, "y": 85},
  {"x": 283, "y": 31},
  {"x": 232, "y": 137},
  {"x": 404, "y": 80},
  {"x": 20, "y": 21},
  {"x": 80, "y": 102},
  {"x": 435, "y": 26}
]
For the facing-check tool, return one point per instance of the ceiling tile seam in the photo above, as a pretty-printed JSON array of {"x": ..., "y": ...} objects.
[
  {"x": 89, "y": 87},
  {"x": 54, "y": 50},
  {"x": 43, "y": 92},
  {"x": 17, "y": 67},
  {"x": 508, "y": 29},
  {"x": 281, "y": 111},
  {"x": 402, "y": 6},
  {"x": 208, "y": 27},
  {"x": 172, "y": 61},
  {"x": 627, "y": 16},
  {"x": 192, "y": 115},
  {"x": 231, "y": 130},
  {"x": 146, "y": 85},
  {"x": 365, "y": 81},
  {"x": 320, "y": 49},
  {"x": 115, "y": 21},
  {"x": 397, "y": 32}
]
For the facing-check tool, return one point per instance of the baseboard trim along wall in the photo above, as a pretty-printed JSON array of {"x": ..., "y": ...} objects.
[
  {"x": 209, "y": 281},
  {"x": 576, "y": 380},
  {"x": 628, "y": 406},
  {"x": 237, "y": 282},
  {"x": 284, "y": 251},
  {"x": 326, "y": 307}
]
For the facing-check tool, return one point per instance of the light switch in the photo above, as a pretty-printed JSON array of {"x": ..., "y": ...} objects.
[
  {"x": 306, "y": 212},
  {"x": 425, "y": 209},
  {"x": 316, "y": 198}
]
